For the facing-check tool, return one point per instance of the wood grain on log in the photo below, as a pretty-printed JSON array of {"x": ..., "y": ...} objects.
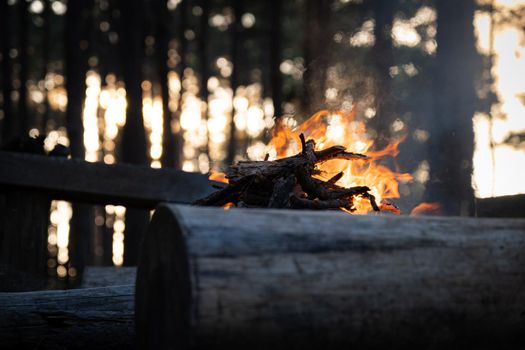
[
  {"x": 286, "y": 279},
  {"x": 93, "y": 318}
]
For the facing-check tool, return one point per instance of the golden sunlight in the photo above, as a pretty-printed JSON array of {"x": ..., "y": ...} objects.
[{"x": 498, "y": 167}]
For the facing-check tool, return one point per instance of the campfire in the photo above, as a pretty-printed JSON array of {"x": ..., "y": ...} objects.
[{"x": 327, "y": 162}]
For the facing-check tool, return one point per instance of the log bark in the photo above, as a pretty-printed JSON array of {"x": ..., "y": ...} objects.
[
  {"x": 256, "y": 278},
  {"x": 93, "y": 318}
]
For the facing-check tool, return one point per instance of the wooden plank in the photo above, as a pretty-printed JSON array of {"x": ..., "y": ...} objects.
[
  {"x": 105, "y": 276},
  {"x": 99, "y": 183},
  {"x": 503, "y": 207},
  {"x": 93, "y": 318},
  {"x": 280, "y": 279}
]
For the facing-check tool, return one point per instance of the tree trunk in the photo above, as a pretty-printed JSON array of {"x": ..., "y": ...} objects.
[
  {"x": 236, "y": 29},
  {"x": 451, "y": 142},
  {"x": 76, "y": 66},
  {"x": 46, "y": 33},
  {"x": 382, "y": 57},
  {"x": 204, "y": 63},
  {"x": 170, "y": 156},
  {"x": 133, "y": 136},
  {"x": 255, "y": 278},
  {"x": 316, "y": 41},
  {"x": 23, "y": 23},
  {"x": 132, "y": 53},
  {"x": 7, "y": 66},
  {"x": 275, "y": 57},
  {"x": 183, "y": 46},
  {"x": 75, "y": 69}
]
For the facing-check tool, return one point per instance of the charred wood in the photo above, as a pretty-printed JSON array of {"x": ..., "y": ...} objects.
[{"x": 272, "y": 183}]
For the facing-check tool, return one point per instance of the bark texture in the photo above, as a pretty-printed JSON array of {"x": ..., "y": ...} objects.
[
  {"x": 92, "y": 318},
  {"x": 302, "y": 279}
]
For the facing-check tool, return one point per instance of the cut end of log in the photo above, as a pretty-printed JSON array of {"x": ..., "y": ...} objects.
[{"x": 163, "y": 295}]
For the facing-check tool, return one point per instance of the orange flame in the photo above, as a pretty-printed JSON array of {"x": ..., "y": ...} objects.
[
  {"x": 228, "y": 205},
  {"x": 218, "y": 176},
  {"x": 328, "y": 129},
  {"x": 426, "y": 209}
]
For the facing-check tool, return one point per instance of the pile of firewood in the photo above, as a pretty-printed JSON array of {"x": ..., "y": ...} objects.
[{"x": 289, "y": 183}]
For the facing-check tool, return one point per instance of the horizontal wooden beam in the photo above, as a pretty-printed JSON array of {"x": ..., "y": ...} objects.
[
  {"x": 99, "y": 183},
  {"x": 92, "y": 318},
  {"x": 504, "y": 206}
]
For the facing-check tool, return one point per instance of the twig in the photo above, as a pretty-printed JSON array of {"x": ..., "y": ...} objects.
[
  {"x": 335, "y": 178},
  {"x": 316, "y": 204}
]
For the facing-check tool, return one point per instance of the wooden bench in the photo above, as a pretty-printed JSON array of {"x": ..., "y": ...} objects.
[{"x": 29, "y": 182}]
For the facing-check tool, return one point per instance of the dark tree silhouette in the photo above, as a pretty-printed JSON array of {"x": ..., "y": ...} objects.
[
  {"x": 451, "y": 142},
  {"x": 236, "y": 30},
  {"x": 46, "y": 33},
  {"x": 133, "y": 135},
  {"x": 203, "y": 53},
  {"x": 132, "y": 54},
  {"x": 275, "y": 56},
  {"x": 23, "y": 23},
  {"x": 75, "y": 32},
  {"x": 7, "y": 106},
  {"x": 382, "y": 58},
  {"x": 316, "y": 44},
  {"x": 75, "y": 69},
  {"x": 182, "y": 48},
  {"x": 170, "y": 157}
]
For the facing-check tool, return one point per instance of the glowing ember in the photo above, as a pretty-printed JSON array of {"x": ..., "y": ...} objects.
[
  {"x": 218, "y": 176},
  {"x": 426, "y": 209},
  {"x": 228, "y": 205}
]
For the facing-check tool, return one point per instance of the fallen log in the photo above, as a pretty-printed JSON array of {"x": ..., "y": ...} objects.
[
  {"x": 91, "y": 318},
  {"x": 254, "y": 278}
]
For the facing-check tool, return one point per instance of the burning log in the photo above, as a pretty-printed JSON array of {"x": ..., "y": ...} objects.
[
  {"x": 290, "y": 183},
  {"x": 282, "y": 279}
]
